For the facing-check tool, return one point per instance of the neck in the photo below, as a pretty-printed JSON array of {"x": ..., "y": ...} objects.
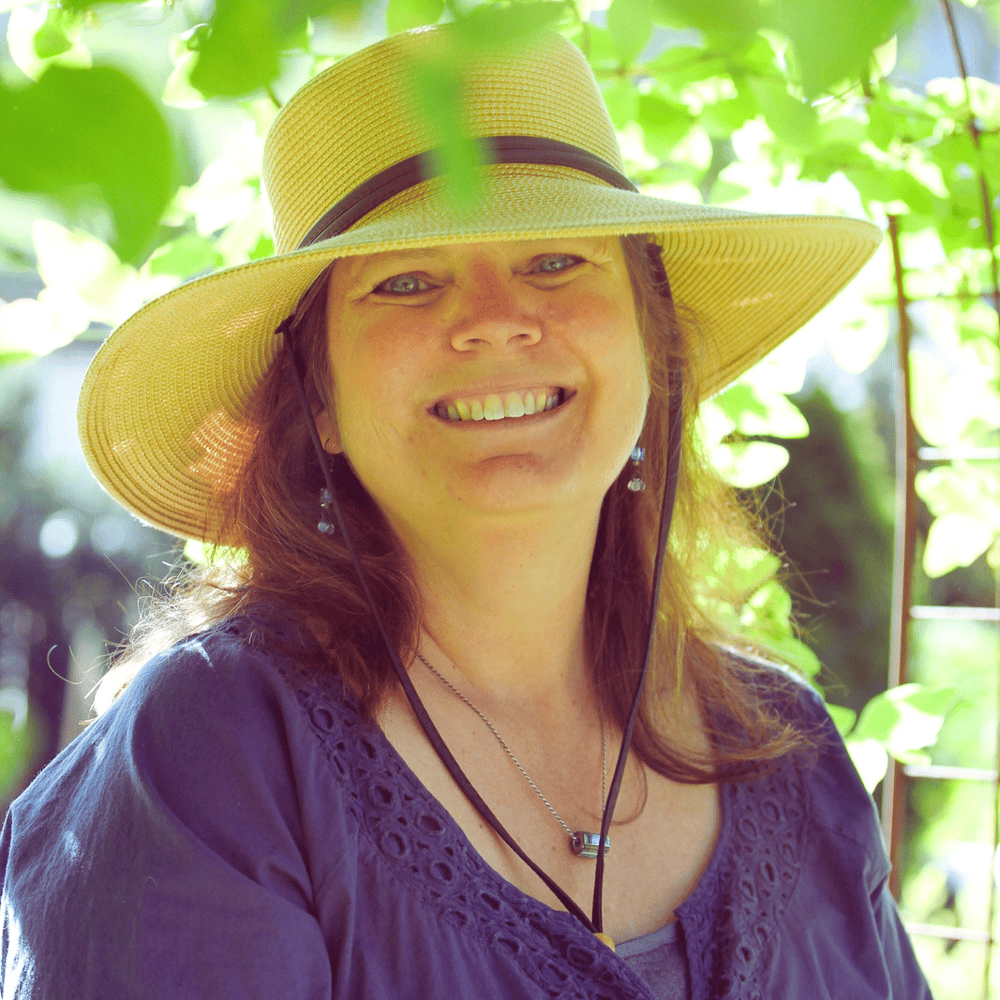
[{"x": 505, "y": 607}]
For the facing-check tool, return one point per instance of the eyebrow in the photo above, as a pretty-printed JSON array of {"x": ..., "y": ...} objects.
[{"x": 405, "y": 253}]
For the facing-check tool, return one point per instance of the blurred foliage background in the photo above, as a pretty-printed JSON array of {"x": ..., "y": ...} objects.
[{"x": 130, "y": 161}]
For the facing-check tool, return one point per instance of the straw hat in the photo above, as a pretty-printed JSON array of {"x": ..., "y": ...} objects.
[{"x": 162, "y": 409}]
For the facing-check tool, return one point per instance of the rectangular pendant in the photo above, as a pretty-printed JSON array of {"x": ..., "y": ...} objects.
[{"x": 586, "y": 845}]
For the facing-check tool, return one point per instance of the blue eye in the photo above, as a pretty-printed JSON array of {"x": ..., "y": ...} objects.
[
  {"x": 557, "y": 262},
  {"x": 402, "y": 284}
]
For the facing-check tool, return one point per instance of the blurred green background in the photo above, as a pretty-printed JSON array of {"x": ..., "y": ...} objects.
[{"x": 130, "y": 161}]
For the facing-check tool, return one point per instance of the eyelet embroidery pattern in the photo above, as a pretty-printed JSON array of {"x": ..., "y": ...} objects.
[
  {"x": 726, "y": 924},
  {"x": 740, "y": 902},
  {"x": 417, "y": 839}
]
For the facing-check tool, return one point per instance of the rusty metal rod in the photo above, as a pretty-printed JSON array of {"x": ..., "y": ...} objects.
[{"x": 904, "y": 546}]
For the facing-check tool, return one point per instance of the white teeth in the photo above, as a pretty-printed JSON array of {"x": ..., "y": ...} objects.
[
  {"x": 512, "y": 405},
  {"x": 493, "y": 407}
]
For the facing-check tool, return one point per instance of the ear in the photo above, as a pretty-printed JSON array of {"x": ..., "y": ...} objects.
[{"x": 329, "y": 436}]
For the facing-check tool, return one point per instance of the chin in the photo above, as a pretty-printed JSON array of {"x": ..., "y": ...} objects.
[{"x": 512, "y": 486}]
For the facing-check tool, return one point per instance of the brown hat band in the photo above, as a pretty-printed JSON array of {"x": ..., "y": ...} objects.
[{"x": 414, "y": 169}]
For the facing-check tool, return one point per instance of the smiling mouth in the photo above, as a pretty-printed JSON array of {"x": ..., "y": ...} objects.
[{"x": 508, "y": 406}]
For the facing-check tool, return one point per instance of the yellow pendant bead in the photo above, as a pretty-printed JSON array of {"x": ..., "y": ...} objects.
[{"x": 601, "y": 936}]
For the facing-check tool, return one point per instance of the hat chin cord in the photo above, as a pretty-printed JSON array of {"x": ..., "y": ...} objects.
[{"x": 594, "y": 923}]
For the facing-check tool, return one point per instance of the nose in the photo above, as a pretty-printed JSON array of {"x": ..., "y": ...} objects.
[{"x": 493, "y": 313}]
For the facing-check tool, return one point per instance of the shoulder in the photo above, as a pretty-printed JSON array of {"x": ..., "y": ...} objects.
[
  {"x": 210, "y": 724},
  {"x": 839, "y": 801},
  {"x": 839, "y": 806},
  {"x": 244, "y": 675},
  {"x": 210, "y": 745},
  {"x": 235, "y": 657}
]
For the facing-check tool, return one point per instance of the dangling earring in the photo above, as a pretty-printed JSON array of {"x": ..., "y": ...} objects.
[
  {"x": 635, "y": 484},
  {"x": 325, "y": 522}
]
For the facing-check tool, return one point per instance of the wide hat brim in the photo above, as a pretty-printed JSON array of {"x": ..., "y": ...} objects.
[{"x": 162, "y": 413}]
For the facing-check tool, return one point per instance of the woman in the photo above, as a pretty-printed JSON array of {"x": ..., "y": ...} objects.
[{"x": 447, "y": 445}]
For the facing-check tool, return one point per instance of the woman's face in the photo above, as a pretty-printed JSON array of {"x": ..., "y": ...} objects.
[{"x": 501, "y": 377}]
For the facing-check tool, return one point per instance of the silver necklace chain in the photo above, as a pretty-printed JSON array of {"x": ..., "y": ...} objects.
[{"x": 575, "y": 843}]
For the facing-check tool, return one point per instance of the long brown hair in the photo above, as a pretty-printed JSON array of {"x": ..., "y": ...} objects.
[{"x": 306, "y": 577}]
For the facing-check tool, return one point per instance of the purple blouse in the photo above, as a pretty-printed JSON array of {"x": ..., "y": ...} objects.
[{"x": 233, "y": 830}]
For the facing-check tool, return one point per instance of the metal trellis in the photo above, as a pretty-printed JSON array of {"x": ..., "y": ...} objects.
[{"x": 903, "y": 612}]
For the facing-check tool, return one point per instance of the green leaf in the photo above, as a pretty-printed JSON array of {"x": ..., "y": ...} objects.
[
  {"x": 18, "y": 738},
  {"x": 945, "y": 404},
  {"x": 793, "y": 121},
  {"x": 85, "y": 281},
  {"x": 437, "y": 85},
  {"x": 676, "y": 67},
  {"x": 402, "y": 15},
  {"x": 240, "y": 54},
  {"x": 33, "y": 327},
  {"x": 984, "y": 94},
  {"x": 204, "y": 554},
  {"x": 599, "y": 47},
  {"x": 871, "y": 760},
  {"x": 90, "y": 135},
  {"x": 51, "y": 39},
  {"x": 790, "y": 650},
  {"x": 264, "y": 248},
  {"x": 622, "y": 101},
  {"x": 955, "y": 540},
  {"x": 884, "y": 57},
  {"x": 724, "y": 191},
  {"x": 746, "y": 569},
  {"x": 725, "y": 117},
  {"x": 893, "y": 188},
  {"x": 15, "y": 357},
  {"x": 492, "y": 27},
  {"x": 747, "y": 464},
  {"x": 837, "y": 146},
  {"x": 906, "y": 719},
  {"x": 40, "y": 36},
  {"x": 719, "y": 18},
  {"x": 630, "y": 23},
  {"x": 189, "y": 255},
  {"x": 833, "y": 40},
  {"x": 881, "y": 124},
  {"x": 183, "y": 50},
  {"x": 843, "y": 718},
  {"x": 978, "y": 322},
  {"x": 664, "y": 122},
  {"x": 772, "y": 605},
  {"x": 755, "y": 412},
  {"x": 961, "y": 488}
]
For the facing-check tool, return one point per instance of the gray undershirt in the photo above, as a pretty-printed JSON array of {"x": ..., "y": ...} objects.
[{"x": 658, "y": 958}]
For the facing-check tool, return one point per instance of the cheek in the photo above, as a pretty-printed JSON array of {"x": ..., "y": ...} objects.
[
  {"x": 606, "y": 334},
  {"x": 375, "y": 382}
]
